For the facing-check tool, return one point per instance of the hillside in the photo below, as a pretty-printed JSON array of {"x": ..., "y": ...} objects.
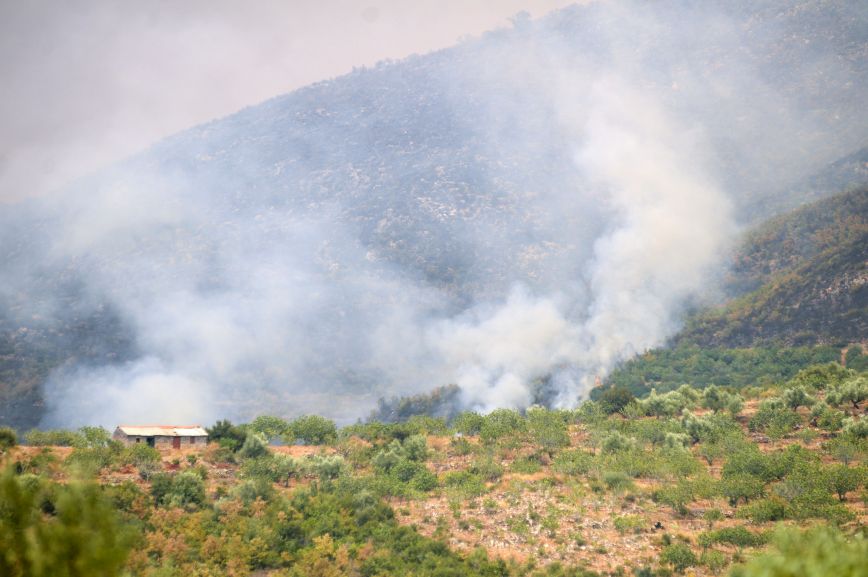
[
  {"x": 696, "y": 482},
  {"x": 292, "y": 256},
  {"x": 803, "y": 279}
]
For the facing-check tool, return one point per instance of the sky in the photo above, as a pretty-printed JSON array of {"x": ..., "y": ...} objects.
[{"x": 89, "y": 82}]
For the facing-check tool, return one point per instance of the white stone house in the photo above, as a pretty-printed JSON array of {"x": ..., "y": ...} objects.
[{"x": 162, "y": 435}]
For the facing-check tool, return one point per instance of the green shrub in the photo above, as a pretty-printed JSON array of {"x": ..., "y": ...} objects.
[
  {"x": 250, "y": 490},
  {"x": 628, "y": 524},
  {"x": 797, "y": 397},
  {"x": 679, "y": 555},
  {"x": 8, "y": 438},
  {"x": 716, "y": 561},
  {"x": 843, "y": 479},
  {"x": 460, "y": 446},
  {"x": 616, "y": 442},
  {"x": 312, "y": 430},
  {"x": 226, "y": 435},
  {"x": 820, "y": 551},
  {"x": 269, "y": 427},
  {"x": 424, "y": 480},
  {"x": 827, "y": 418},
  {"x": 548, "y": 429},
  {"x": 820, "y": 376},
  {"x": 468, "y": 423},
  {"x": 527, "y": 465},
  {"x": 574, "y": 462},
  {"x": 415, "y": 448},
  {"x": 853, "y": 391},
  {"x": 253, "y": 446},
  {"x": 58, "y": 438},
  {"x": 465, "y": 483},
  {"x": 325, "y": 467},
  {"x": 614, "y": 399},
  {"x": 487, "y": 468},
  {"x": 502, "y": 424},
  {"x": 82, "y": 535},
  {"x": 139, "y": 455},
  {"x": 774, "y": 418},
  {"x": 617, "y": 481},
  {"x": 856, "y": 427},
  {"x": 737, "y": 536},
  {"x": 741, "y": 487},
  {"x": 88, "y": 462},
  {"x": 764, "y": 511}
]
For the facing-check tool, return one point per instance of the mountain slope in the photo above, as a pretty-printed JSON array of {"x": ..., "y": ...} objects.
[
  {"x": 805, "y": 275},
  {"x": 275, "y": 257}
]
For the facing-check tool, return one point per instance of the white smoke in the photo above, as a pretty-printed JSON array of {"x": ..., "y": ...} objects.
[
  {"x": 242, "y": 300},
  {"x": 671, "y": 226}
]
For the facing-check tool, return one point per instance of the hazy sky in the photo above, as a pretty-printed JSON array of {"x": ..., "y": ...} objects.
[{"x": 87, "y": 82}]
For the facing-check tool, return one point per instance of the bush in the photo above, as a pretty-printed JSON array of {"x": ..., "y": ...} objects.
[
  {"x": 574, "y": 462},
  {"x": 737, "y": 536},
  {"x": 820, "y": 376},
  {"x": 269, "y": 427},
  {"x": 226, "y": 435},
  {"x": 465, "y": 482},
  {"x": 616, "y": 442},
  {"x": 527, "y": 465},
  {"x": 83, "y": 535},
  {"x": 797, "y": 397},
  {"x": 617, "y": 481},
  {"x": 764, "y": 511},
  {"x": 8, "y": 438},
  {"x": 827, "y": 418},
  {"x": 843, "y": 479},
  {"x": 628, "y": 524},
  {"x": 325, "y": 467},
  {"x": 57, "y": 438},
  {"x": 680, "y": 556},
  {"x": 774, "y": 418},
  {"x": 468, "y": 423},
  {"x": 614, "y": 399},
  {"x": 501, "y": 424},
  {"x": 415, "y": 448},
  {"x": 252, "y": 489},
  {"x": 820, "y": 551},
  {"x": 424, "y": 480},
  {"x": 856, "y": 427},
  {"x": 253, "y": 447},
  {"x": 312, "y": 430},
  {"x": 714, "y": 560},
  {"x": 139, "y": 455},
  {"x": 548, "y": 428},
  {"x": 185, "y": 490},
  {"x": 487, "y": 468},
  {"x": 741, "y": 487}
]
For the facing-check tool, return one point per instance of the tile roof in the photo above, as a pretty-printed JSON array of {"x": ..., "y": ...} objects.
[{"x": 163, "y": 431}]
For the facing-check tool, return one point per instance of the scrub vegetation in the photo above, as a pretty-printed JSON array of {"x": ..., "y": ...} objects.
[{"x": 716, "y": 480}]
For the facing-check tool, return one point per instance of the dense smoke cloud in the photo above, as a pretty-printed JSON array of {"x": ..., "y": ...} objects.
[{"x": 579, "y": 206}]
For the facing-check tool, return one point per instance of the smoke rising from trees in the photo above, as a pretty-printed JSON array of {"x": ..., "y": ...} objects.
[{"x": 530, "y": 205}]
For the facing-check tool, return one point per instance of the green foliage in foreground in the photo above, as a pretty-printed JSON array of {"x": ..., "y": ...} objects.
[
  {"x": 54, "y": 530},
  {"x": 821, "y": 551},
  {"x": 8, "y": 438}
]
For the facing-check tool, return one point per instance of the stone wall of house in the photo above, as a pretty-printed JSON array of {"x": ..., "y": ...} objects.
[{"x": 161, "y": 441}]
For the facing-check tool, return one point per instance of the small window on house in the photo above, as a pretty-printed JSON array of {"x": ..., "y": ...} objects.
[{"x": 138, "y": 439}]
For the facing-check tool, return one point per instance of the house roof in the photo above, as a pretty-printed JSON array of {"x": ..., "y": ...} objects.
[{"x": 163, "y": 431}]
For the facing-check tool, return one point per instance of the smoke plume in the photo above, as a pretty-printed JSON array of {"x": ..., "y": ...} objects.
[{"x": 534, "y": 204}]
